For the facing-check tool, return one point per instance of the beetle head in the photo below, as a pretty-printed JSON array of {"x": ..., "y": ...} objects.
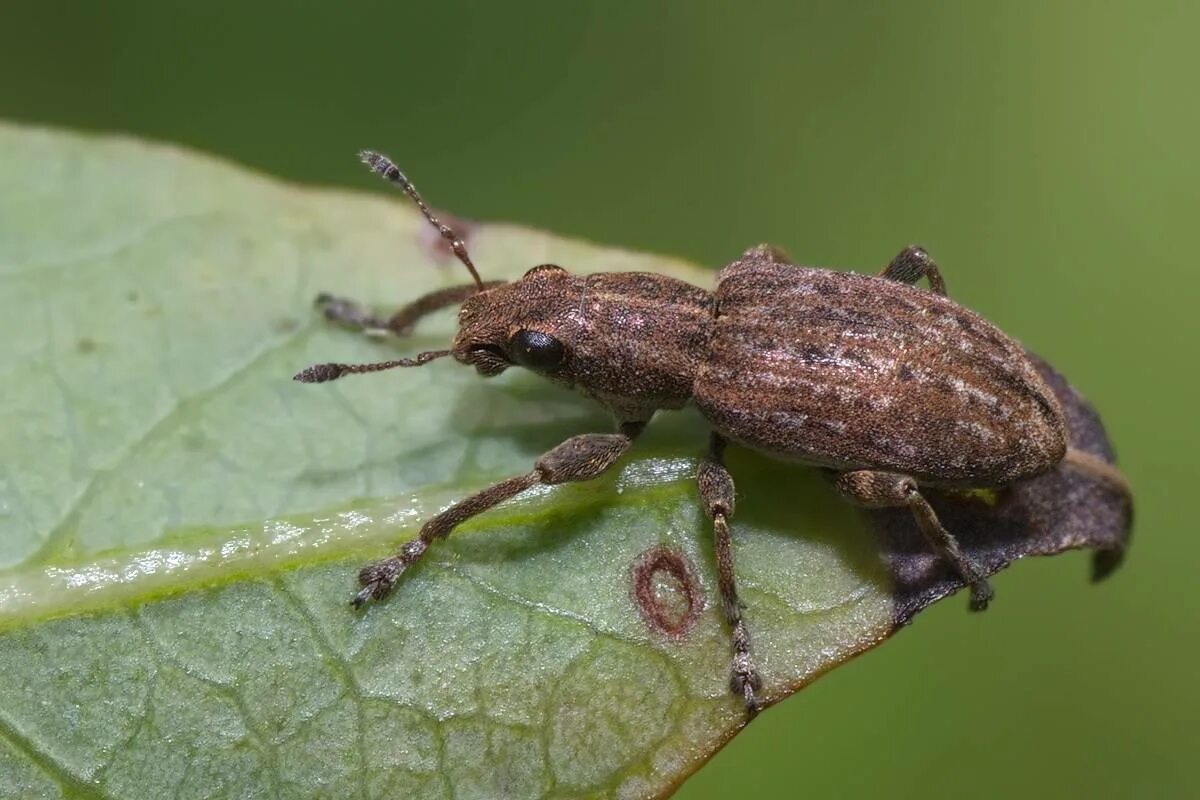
[{"x": 519, "y": 323}]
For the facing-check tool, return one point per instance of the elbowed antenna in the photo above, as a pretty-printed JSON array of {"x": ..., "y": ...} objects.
[
  {"x": 383, "y": 165},
  {"x": 320, "y": 373}
]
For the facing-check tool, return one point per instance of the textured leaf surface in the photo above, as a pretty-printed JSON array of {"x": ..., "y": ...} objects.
[{"x": 180, "y": 523}]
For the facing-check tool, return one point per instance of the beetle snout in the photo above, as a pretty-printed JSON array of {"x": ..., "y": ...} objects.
[{"x": 488, "y": 359}]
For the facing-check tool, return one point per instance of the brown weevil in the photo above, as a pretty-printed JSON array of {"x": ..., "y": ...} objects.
[{"x": 888, "y": 386}]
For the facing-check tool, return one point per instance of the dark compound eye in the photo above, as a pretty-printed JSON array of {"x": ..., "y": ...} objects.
[{"x": 536, "y": 350}]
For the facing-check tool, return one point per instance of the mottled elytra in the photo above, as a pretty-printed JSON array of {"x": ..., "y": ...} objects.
[{"x": 888, "y": 386}]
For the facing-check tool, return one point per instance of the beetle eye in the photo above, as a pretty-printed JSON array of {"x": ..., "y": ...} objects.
[{"x": 536, "y": 350}]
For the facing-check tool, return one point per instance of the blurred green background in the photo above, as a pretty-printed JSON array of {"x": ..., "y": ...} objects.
[{"x": 1046, "y": 154}]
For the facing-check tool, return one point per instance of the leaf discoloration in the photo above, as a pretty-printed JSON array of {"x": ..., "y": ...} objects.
[{"x": 667, "y": 592}]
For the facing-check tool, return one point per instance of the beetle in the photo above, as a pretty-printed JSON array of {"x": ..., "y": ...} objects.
[{"x": 890, "y": 387}]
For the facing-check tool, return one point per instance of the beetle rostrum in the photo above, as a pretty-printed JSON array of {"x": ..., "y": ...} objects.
[{"x": 889, "y": 386}]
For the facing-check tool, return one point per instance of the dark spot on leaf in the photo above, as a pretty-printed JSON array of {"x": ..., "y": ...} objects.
[
  {"x": 132, "y": 296},
  {"x": 666, "y": 591},
  {"x": 86, "y": 345}
]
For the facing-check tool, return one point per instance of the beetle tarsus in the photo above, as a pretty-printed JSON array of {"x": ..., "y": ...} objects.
[
  {"x": 378, "y": 579},
  {"x": 744, "y": 686},
  {"x": 744, "y": 679},
  {"x": 349, "y": 313},
  {"x": 981, "y": 595},
  {"x": 362, "y": 597}
]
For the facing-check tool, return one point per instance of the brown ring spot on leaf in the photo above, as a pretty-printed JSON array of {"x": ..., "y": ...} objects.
[{"x": 666, "y": 591}]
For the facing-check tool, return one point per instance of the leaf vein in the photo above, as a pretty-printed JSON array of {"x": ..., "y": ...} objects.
[
  {"x": 47, "y": 763},
  {"x": 53, "y": 538}
]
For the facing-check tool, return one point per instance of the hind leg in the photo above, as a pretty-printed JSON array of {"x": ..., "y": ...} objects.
[{"x": 888, "y": 490}]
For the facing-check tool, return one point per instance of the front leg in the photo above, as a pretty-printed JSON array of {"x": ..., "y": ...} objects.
[
  {"x": 356, "y": 316},
  {"x": 716, "y": 492},
  {"x": 887, "y": 490},
  {"x": 579, "y": 458}
]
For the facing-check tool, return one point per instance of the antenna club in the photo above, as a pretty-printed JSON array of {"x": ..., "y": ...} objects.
[
  {"x": 320, "y": 373},
  {"x": 382, "y": 165}
]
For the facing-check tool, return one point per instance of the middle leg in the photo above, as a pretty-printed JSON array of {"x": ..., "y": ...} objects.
[{"x": 716, "y": 492}]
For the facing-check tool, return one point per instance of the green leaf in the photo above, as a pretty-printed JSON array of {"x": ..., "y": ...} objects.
[{"x": 181, "y": 523}]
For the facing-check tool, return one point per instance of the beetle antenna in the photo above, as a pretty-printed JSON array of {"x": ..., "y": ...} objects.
[
  {"x": 320, "y": 373},
  {"x": 383, "y": 165}
]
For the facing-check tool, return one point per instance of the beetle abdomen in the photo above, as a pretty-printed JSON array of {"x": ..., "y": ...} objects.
[{"x": 856, "y": 372}]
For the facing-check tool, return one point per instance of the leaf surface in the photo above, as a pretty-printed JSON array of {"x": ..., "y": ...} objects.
[{"x": 181, "y": 523}]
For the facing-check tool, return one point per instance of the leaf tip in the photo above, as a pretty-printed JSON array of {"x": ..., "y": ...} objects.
[{"x": 1105, "y": 562}]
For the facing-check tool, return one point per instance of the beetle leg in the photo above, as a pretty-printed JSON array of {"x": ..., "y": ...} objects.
[
  {"x": 716, "y": 492},
  {"x": 767, "y": 252},
  {"x": 888, "y": 489},
  {"x": 349, "y": 313},
  {"x": 911, "y": 265},
  {"x": 579, "y": 458},
  {"x": 355, "y": 315}
]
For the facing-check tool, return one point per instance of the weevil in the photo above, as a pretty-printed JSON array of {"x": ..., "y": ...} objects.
[{"x": 888, "y": 386}]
